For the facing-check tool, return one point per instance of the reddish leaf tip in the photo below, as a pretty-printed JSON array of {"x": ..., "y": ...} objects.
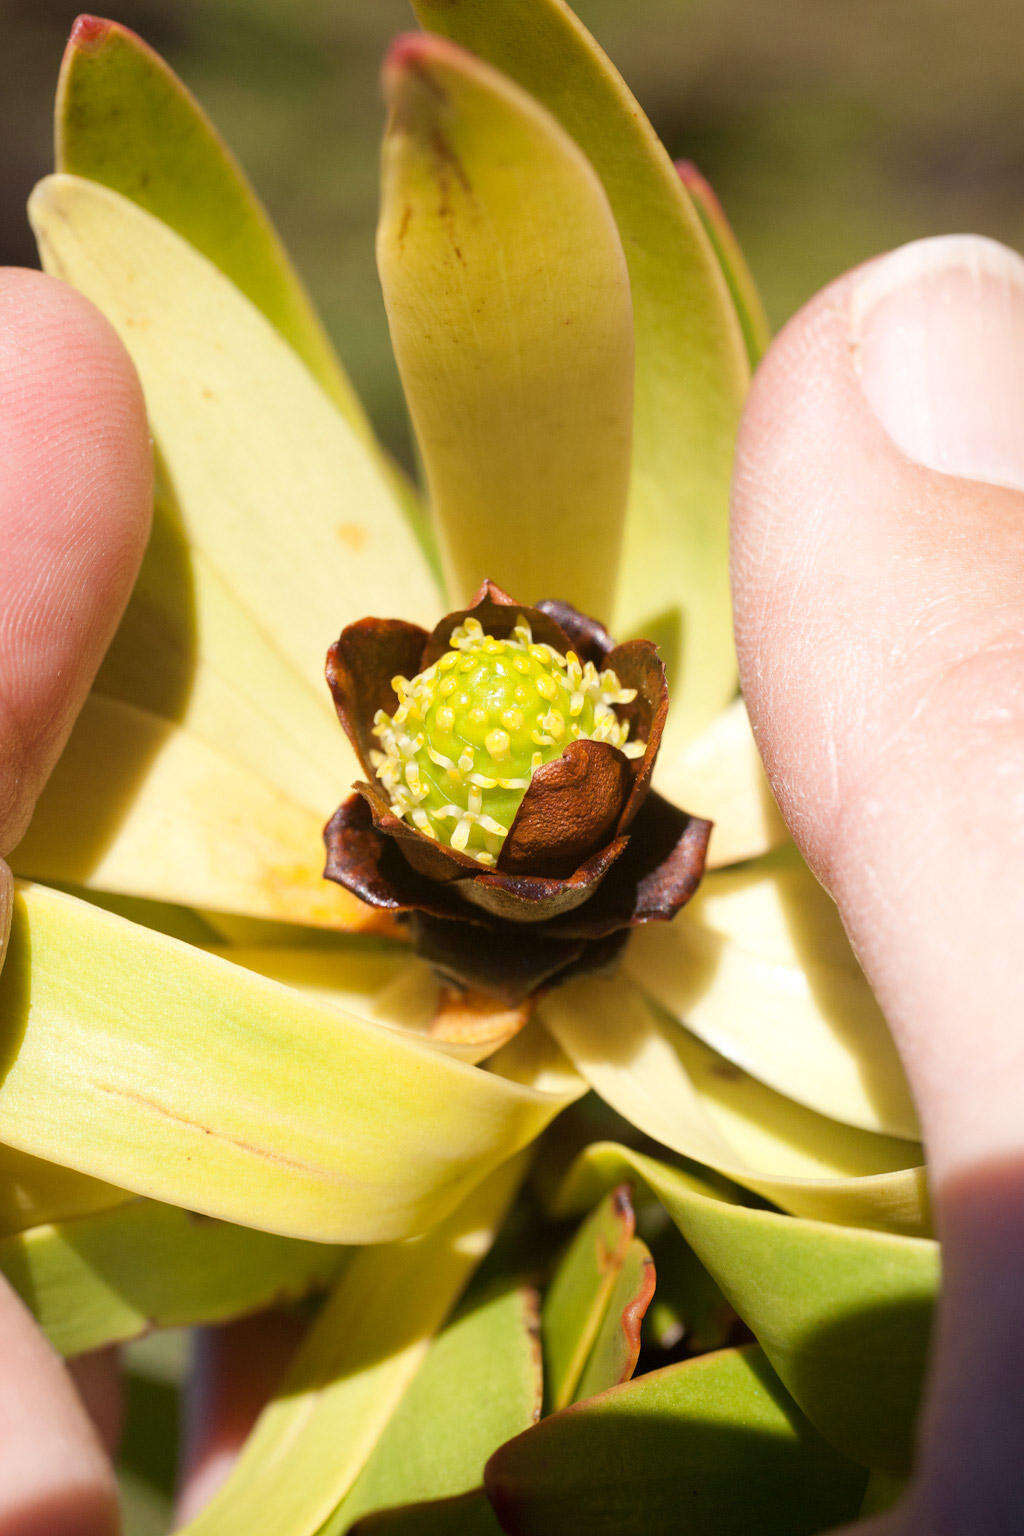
[
  {"x": 415, "y": 52},
  {"x": 89, "y": 32},
  {"x": 407, "y": 51},
  {"x": 698, "y": 185}
]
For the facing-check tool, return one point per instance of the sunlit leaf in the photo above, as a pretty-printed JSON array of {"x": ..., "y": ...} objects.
[
  {"x": 270, "y": 483},
  {"x": 187, "y": 651},
  {"x": 691, "y": 364},
  {"x": 710, "y": 1447},
  {"x": 760, "y": 968},
  {"x": 720, "y": 776},
  {"x": 138, "y": 805},
  {"x": 294, "y": 527},
  {"x": 106, "y": 1277},
  {"x": 124, "y": 118},
  {"x": 513, "y": 335},
  {"x": 479, "y": 1385},
  {"x": 391, "y": 988},
  {"x": 674, "y": 1088},
  {"x": 170, "y": 1072},
  {"x": 579, "y": 1297},
  {"x": 744, "y": 292},
  {"x": 318, "y": 1432},
  {"x": 844, "y": 1315}
]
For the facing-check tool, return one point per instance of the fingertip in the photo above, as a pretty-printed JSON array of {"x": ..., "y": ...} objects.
[
  {"x": 75, "y": 498},
  {"x": 54, "y": 1476}
]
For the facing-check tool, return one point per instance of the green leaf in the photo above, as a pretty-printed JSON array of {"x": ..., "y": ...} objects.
[
  {"x": 124, "y": 119},
  {"x": 745, "y": 296},
  {"x": 143, "y": 1061},
  {"x": 617, "y": 1345},
  {"x": 468, "y": 1514},
  {"x": 711, "y": 1446},
  {"x": 844, "y": 1315},
  {"x": 691, "y": 364},
  {"x": 760, "y": 968},
  {"x": 33, "y": 1191},
  {"x": 882, "y": 1492},
  {"x": 479, "y": 1385},
  {"x": 317, "y": 1434},
  {"x": 675, "y": 1089},
  {"x": 688, "y": 1307},
  {"x": 110, "y": 1276},
  {"x": 513, "y": 334},
  {"x": 580, "y": 1296}
]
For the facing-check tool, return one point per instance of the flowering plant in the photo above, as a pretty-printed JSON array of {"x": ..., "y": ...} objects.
[{"x": 196, "y": 1021}]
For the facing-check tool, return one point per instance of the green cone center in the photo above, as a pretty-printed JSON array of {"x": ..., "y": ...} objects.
[{"x": 472, "y": 729}]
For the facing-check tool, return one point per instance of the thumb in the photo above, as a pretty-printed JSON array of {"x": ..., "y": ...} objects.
[{"x": 878, "y": 567}]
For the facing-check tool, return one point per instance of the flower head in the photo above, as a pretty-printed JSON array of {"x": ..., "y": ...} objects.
[{"x": 508, "y": 759}]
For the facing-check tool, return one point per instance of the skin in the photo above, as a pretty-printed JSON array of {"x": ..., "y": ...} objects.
[
  {"x": 75, "y": 490},
  {"x": 879, "y": 597}
]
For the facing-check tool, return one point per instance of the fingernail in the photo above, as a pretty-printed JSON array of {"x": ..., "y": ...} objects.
[{"x": 938, "y": 338}]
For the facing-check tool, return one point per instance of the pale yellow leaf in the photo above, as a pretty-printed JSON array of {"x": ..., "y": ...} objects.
[
  {"x": 33, "y": 1192},
  {"x": 508, "y": 300},
  {"x": 145, "y": 808},
  {"x": 720, "y": 776},
  {"x": 759, "y": 967},
  {"x": 170, "y": 1072},
  {"x": 284, "y": 499},
  {"x": 188, "y": 651},
  {"x": 675, "y": 1089},
  {"x": 389, "y": 987},
  {"x": 691, "y": 363}
]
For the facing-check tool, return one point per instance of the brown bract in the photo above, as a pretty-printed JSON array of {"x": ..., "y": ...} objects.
[{"x": 591, "y": 850}]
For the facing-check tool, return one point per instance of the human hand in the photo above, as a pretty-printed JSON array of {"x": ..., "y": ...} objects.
[
  {"x": 878, "y": 572},
  {"x": 75, "y": 490}
]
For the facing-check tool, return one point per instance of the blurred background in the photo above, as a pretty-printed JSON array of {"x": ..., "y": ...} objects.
[{"x": 831, "y": 129}]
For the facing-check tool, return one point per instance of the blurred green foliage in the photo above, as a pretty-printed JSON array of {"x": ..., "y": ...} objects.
[{"x": 832, "y": 129}]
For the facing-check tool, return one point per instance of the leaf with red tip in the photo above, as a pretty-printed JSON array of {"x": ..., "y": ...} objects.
[
  {"x": 616, "y": 1348},
  {"x": 691, "y": 362},
  {"x": 508, "y": 300},
  {"x": 123, "y": 118},
  {"x": 590, "y": 1324},
  {"x": 756, "y": 332}
]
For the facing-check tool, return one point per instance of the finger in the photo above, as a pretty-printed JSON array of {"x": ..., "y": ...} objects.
[
  {"x": 54, "y": 1475},
  {"x": 235, "y": 1371},
  {"x": 75, "y": 490},
  {"x": 878, "y": 530},
  {"x": 880, "y": 628}
]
